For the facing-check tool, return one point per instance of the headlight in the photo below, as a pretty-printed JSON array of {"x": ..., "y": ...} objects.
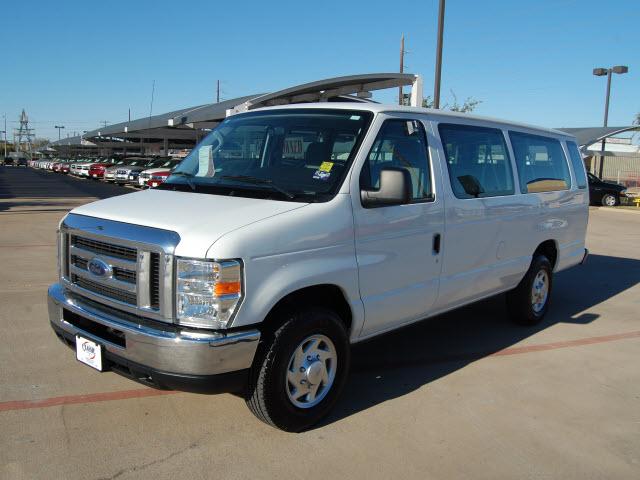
[{"x": 207, "y": 292}]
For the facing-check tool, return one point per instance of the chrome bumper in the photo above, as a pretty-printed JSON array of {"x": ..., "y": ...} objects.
[{"x": 180, "y": 352}]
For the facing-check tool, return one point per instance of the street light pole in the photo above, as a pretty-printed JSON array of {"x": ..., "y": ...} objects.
[
  {"x": 5, "y": 136},
  {"x": 436, "y": 83},
  {"x": 59, "y": 127},
  {"x": 601, "y": 72}
]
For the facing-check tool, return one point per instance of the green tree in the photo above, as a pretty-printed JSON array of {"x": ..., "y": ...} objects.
[{"x": 469, "y": 104}]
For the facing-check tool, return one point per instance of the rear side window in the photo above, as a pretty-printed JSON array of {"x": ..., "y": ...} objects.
[
  {"x": 400, "y": 144},
  {"x": 577, "y": 164},
  {"x": 542, "y": 166},
  {"x": 478, "y": 161}
]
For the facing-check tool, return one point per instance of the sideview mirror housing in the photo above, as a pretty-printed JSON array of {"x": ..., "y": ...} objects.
[{"x": 395, "y": 189}]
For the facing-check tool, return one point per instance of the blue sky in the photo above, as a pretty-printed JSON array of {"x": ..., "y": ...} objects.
[{"x": 79, "y": 63}]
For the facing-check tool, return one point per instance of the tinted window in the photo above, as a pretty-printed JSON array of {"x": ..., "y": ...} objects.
[
  {"x": 400, "y": 143},
  {"x": 541, "y": 163},
  {"x": 577, "y": 164},
  {"x": 477, "y": 160}
]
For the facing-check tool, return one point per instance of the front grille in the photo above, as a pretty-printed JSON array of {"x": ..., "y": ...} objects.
[
  {"x": 135, "y": 272},
  {"x": 154, "y": 281},
  {"x": 103, "y": 248},
  {"x": 124, "y": 275},
  {"x": 105, "y": 290}
]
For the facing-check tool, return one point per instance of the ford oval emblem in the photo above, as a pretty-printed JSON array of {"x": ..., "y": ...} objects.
[{"x": 99, "y": 268}]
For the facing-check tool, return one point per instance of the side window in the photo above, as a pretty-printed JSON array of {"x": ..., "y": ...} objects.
[
  {"x": 477, "y": 160},
  {"x": 577, "y": 164},
  {"x": 542, "y": 166},
  {"x": 400, "y": 143}
]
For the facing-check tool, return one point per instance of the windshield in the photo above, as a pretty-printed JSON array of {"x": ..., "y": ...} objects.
[{"x": 300, "y": 155}]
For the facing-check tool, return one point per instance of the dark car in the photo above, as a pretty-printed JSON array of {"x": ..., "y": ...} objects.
[{"x": 607, "y": 194}]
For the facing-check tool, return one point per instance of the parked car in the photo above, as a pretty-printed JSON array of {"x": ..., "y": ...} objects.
[
  {"x": 110, "y": 172},
  {"x": 96, "y": 170},
  {"x": 160, "y": 166},
  {"x": 158, "y": 178},
  {"x": 603, "y": 193},
  {"x": 130, "y": 167},
  {"x": 292, "y": 232},
  {"x": 65, "y": 167}
]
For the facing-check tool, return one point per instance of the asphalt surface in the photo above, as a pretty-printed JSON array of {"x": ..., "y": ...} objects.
[{"x": 462, "y": 395}]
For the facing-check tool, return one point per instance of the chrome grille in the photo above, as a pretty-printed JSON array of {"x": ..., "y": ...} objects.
[
  {"x": 103, "y": 248},
  {"x": 131, "y": 265},
  {"x": 154, "y": 280},
  {"x": 104, "y": 290},
  {"x": 120, "y": 284}
]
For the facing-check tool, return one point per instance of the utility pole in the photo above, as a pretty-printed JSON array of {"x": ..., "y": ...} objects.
[
  {"x": 25, "y": 134},
  {"x": 129, "y": 115},
  {"x": 218, "y": 92},
  {"x": 103, "y": 122},
  {"x": 436, "y": 83},
  {"x": 400, "y": 96},
  {"x": 5, "y": 135}
]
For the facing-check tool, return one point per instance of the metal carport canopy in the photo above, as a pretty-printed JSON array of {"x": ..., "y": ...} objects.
[
  {"x": 589, "y": 135},
  {"x": 323, "y": 90},
  {"x": 184, "y": 124}
]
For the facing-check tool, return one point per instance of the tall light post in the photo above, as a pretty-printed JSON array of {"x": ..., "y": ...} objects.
[
  {"x": 601, "y": 72},
  {"x": 436, "y": 83},
  {"x": 5, "y": 136},
  {"x": 59, "y": 127}
]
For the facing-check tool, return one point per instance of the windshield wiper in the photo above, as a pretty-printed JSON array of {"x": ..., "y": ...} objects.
[
  {"x": 259, "y": 181},
  {"x": 187, "y": 176}
]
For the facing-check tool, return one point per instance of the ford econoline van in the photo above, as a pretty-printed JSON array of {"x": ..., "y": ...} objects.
[{"x": 290, "y": 233}]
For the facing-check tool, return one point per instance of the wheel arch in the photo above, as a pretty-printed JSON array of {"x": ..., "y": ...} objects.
[
  {"x": 548, "y": 248},
  {"x": 322, "y": 295}
]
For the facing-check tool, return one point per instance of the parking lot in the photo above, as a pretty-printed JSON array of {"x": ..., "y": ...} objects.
[{"x": 462, "y": 395}]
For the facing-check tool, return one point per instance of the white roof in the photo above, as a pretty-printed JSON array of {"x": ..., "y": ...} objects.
[{"x": 380, "y": 108}]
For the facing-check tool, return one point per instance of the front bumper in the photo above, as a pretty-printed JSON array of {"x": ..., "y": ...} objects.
[{"x": 161, "y": 355}]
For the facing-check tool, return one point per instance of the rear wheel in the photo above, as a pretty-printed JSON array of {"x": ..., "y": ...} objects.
[
  {"x": 527, "y": 304},
  {"x": 299, "y": 370},
  {"x": 609, "y": 200}
]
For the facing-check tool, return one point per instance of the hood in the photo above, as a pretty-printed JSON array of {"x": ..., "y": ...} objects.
[
  {"x": 130, "y": 168},
  {"x": 612, "y": 186},
  {"x": 155, "y": 170},
  {"x": 200, "y": 219}
]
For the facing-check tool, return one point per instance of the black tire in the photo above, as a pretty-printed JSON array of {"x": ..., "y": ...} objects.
[
  {"x": 520, "y": 300},
  {"x": 610, "y": 200},
  {"x": 267, "y": 396}
]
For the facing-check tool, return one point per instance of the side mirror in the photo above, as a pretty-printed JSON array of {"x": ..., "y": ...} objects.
[{"x": 395, "y": 189}]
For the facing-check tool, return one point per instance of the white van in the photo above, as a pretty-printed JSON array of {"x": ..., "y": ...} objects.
[{"x": 291, "y": 232}]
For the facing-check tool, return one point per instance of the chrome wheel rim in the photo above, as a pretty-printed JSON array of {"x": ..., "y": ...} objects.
[
  {"x": 609, "y": 200},
  {"x": 540, "y": 291},
  {"x": 311, "y": 371}
]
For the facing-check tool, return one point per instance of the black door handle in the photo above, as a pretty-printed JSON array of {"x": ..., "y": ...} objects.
[{"x": 436, "y": 243}]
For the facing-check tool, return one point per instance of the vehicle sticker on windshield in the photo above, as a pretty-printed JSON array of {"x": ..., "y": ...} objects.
[
  {"x": 321, "y": 175},
  {"x": 205, "y": 162},
  {"x": 326, "y": 167}
]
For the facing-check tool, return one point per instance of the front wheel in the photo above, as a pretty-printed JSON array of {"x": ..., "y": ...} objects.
[
  {"x": 299, "y": 370},
  {"x": 527, "y": 304},
  {"x": 609, "y": 200}
]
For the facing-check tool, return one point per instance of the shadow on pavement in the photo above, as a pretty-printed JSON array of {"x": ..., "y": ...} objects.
[
  {"x": 25, "y": 187},
  {"x": 399, "y": 362}
]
